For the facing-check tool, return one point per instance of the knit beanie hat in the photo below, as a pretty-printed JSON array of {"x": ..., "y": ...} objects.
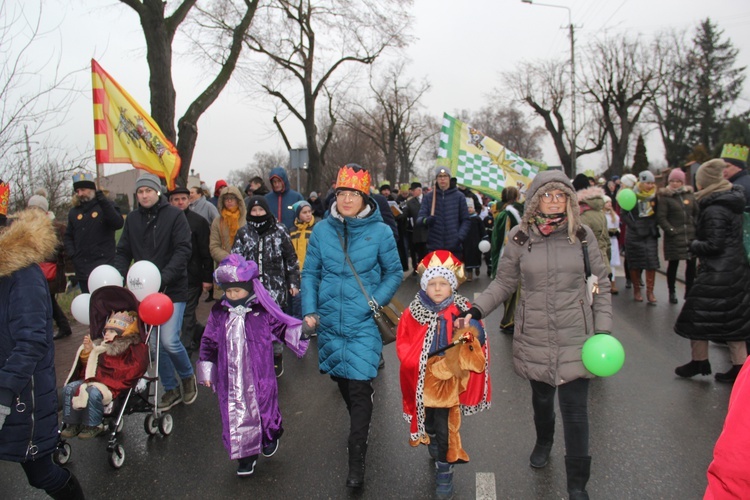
[
  {"x": 442, "y": 170},
  {"x": 628, "y": 181},
  {"x": 258, "y": 201},
  {"x": 677, "y": 175},
  {"x": 710, "y": 173},
  {"x": 148, "y": 180},
  {"x": 646, "y": 176},
  {"x": 39, "y": 200},
  {"x": 313, "y": 195},
  {"x": 297, "y": 207}
]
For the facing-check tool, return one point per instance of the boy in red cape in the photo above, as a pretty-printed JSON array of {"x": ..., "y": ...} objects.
[{"x": 443, "y": 373}]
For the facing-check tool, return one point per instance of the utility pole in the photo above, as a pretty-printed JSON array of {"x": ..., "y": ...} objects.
[
  {"x": 28, "y": 156},
  {"x": 573, "y": 128}
]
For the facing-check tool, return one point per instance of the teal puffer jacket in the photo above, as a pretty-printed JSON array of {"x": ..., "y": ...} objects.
[{"x": 349, "y": 343}]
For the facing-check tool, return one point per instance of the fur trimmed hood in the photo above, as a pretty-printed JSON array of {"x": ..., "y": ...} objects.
[
  {"x": 30, "y": 239},
  {"x": 668, "y": 191},
  {"x": 593, "y": 197},
  {"x": 551, "y": 179}
]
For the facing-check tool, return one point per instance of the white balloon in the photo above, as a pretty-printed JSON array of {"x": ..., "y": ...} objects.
[
  {"x": 484, "y": 246},
  {"x": 144, "y": 278},
  {"x": 80, "y": 308},
  {"x": 104, "y": 275}
]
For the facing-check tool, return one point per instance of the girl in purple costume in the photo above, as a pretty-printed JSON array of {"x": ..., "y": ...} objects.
[{"x": 236, "y": 361}]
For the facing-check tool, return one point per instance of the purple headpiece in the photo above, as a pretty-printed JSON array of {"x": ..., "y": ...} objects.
[{"x": 234, "y": 269}]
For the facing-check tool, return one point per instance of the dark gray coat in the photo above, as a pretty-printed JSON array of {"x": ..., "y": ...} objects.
[
  {"x": 676, "y": 215},
  {"x": 641, "y": 239}
]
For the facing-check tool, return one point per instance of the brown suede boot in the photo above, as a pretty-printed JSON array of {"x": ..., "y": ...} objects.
[
  {"x": 635, "y": 277},
  {"x": 650, "y": 280}
]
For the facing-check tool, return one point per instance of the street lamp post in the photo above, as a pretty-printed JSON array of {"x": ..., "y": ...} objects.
[{"x": 571, "y": 29}]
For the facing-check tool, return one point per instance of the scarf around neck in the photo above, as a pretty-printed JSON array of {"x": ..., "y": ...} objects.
[
  {"x": 718, "y": 187},
  {"x": 232, "y": 220},
  {"x": 549, "y": 223},
  {"x": 261, "y": 223},
  {"x": 645, "y": 197}
]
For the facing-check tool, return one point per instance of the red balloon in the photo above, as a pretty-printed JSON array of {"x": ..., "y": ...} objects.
[{"x": 156, "y": 309}]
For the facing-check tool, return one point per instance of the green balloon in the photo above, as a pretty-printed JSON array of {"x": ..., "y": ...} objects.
[
  {"x": 603, "y": 355},
  {"x": 626, "y": 198}
]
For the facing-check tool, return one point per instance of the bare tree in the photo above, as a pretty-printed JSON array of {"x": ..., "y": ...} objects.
[
  {"x": 227, "y": 22},
  {"x": 263, "y": 162},
  {"x": 31, "y": 105},
  {"x": 306, "y": 44},
  {"x": 544, "y": 86},
  {"x": 394, "y": 122},
  {"x": 621, "y": 78}
]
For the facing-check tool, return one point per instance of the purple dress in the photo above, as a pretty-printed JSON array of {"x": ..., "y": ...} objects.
[{"x": 236, "y": 356}]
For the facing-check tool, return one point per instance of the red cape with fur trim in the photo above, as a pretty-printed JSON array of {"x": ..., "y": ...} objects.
[{"x": 413, "y": 356}]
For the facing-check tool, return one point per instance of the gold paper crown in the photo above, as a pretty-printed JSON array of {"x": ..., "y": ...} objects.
[
  {"x": 349, "y": 179},
  {"x": 4, "y": 197},
  {"x": 120, "y": 321},
  {"x": 443, "y": 258},
  {"x": 735, "y": 152}
]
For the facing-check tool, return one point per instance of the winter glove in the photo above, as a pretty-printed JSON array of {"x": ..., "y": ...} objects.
[
  {"x": 429, "y": 221},
  {"x": 100, "y": 195},
  {"x": 307, "y": 330},
  {"x": 475, "y": 314},
  {"x": 4, "y": 412}
]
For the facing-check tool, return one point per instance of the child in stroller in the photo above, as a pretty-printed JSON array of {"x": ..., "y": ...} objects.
[{"x": 101, "y": 371}]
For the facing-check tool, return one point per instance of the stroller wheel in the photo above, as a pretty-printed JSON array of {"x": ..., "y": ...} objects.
[
  {"x": 117, "y": 457},
  {"x": 166, "y": 424},
  {"x": 61, "y": 455},
  {"x": 150, "y": 425}
]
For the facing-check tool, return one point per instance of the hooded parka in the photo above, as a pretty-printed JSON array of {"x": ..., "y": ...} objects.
[
  {"x": 281, "y": 203},
  {"x": 717, "y": 306},
  {"x": 591, "y": 201},
  {"x": 553, "y": 318},
  {"x": 349, "y": 343},
  {"x": 27, "y": 353},
  {"x": 220, "y": 243}
]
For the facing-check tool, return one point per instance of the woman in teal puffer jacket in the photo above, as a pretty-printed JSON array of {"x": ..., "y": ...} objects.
[{"x": 349, "y": 343}]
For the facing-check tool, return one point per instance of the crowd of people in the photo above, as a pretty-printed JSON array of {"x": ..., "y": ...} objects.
[{"x": 291, "y": 268}]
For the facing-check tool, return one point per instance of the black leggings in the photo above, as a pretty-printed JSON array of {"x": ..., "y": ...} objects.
[
  {"x": 357, "y": 395},
  {"x": 42, "y": 473},
  {"x": 672, "y": 274},
  {"x": 436, "y": 424},
  {"x": 573, "y": 400}
]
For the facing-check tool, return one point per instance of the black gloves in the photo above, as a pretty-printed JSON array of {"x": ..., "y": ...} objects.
[{"x": 475, "y": 314}]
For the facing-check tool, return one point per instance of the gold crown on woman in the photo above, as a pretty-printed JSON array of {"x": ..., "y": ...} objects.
[{"x": 349, "y": 179}]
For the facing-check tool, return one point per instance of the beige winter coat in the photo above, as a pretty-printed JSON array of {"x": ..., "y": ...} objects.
[
  {"x": 220, "y": 245},
  {"x": 553, "y": 318}
]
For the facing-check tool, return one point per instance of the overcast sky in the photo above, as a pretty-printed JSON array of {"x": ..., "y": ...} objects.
[{"x": 460, "y": 48}]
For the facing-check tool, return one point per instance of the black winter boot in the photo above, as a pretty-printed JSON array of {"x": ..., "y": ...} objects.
[
  {"x": 672, "y": 297},
  {"x": 71, "y": 490},
  {"x": 578, "y": 470},
  {"x": 729, "y": 376},
  {"x": 694, "y": 368},
  {"x": 545, "y": 432},
  {"x": 356, "y": 477}
]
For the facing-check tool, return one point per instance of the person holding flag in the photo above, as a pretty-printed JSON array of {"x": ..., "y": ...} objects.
[{"x": 445, "y": 215}]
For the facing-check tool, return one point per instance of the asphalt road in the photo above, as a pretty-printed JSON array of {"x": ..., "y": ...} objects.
[{"x": 652, "y": 434}]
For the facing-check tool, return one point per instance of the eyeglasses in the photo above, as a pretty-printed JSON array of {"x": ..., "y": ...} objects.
[
  {"x": 558, "y": 197},
  {"x": 353, "y": 195},
  {"x": 231, "y": 198}
]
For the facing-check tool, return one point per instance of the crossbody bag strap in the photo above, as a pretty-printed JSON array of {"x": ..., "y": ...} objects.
[
  {"x": 581, "y": 234},
  {"x": 370, "y": 301}
]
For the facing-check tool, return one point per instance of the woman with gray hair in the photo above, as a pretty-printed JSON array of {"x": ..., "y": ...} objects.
[{"x": 554, "y": 316}]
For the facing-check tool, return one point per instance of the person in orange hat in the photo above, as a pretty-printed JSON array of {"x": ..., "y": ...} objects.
[{"x": 443, "y": 370}]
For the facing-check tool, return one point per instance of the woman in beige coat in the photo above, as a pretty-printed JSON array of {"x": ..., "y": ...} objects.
[
  {"x": 553, "y": 317},
  {"x": 231, "y": 218}
]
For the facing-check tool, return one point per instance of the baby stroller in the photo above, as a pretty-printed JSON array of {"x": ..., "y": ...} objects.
[{"x": 142, "y": 397}]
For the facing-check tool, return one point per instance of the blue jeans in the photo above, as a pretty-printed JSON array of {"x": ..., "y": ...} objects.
[
  {"x": 92, "y": 415},
  {"x": 172, "y": 354}
]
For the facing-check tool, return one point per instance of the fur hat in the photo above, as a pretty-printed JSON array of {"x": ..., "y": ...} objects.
[
  {"x": 148, "y": 180},
  {"x": 83, "y": 180},
  {"x": 39, "y": 200},
  {"x": 445, "y": 260},
  {"x": 710, "y": 173},
  {"x": 646, "y": 176},
  {"x": 677, "y": 175},
  {"x": 122, "y": 322}
]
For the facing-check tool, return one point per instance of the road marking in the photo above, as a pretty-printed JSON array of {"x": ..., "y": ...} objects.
[{"x": 486, "y": 486}]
